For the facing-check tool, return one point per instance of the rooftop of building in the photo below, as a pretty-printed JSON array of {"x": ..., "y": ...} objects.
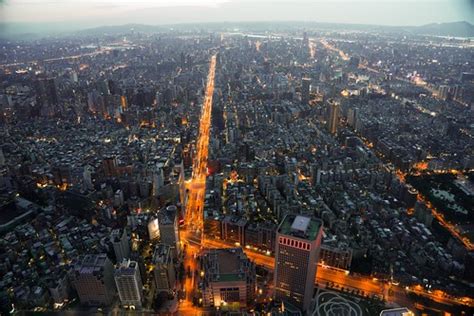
[
  {"x": 402, "y": 311},
  {"x": 167, "y": 216},
  {"x": 117, "y": 234},
  {"x": 300, "y": 226},
  {"x": 91, "y": 263},
  {"x": 161, "y": 253},
  {"x": 127, "y": 267},
  {"x": 14, "y": 209},
  {"x": 225, "y": 265}
]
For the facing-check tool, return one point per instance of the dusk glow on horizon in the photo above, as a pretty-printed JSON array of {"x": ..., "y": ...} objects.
[{"x": 112, "y": 12}]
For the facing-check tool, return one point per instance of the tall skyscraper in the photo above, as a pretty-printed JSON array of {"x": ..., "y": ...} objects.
[
  {"x": 121, "y": 243},
  {"x": 73, "y": 76},
  {"x": 93, "y": 279},
  {"x": 305, "y": 39},
  {"x": 163, "y": 272},
  {"x": 305, "y": 89},
  {"x": 2, "y": 158},
  {"x": 129, "y": 283},
  {"x": 333, "y": 116},
  {"x": 87, "y": 178},
  {"x": 158, "y": 180},
  {"x": 47, "y": 95},
  {"x": 153, "y": 229},
  {"x": 168, "y": 223},
  {"x": 298, "y": 242},
  {"x": 353, "y": 117},
  {"x": 443, "y": 92},
  {"x": 305, "y": 51}
]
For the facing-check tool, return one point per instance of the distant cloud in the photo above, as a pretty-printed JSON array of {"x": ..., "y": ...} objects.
[{"x": 97, "y": 12}]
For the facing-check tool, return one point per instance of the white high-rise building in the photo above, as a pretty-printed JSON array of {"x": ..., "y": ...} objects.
[
  {"x": 129, "y": 283},
  {"x": 153, "y": 229}
]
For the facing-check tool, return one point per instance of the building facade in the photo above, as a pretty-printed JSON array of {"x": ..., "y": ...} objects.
[
  {"x": 93, "y": 279},
  {"x": 164, "y": 272},
  {"x": 298, "y": 243},
  {"x": 305, "y": 90},
  {"x": 336, "y": 257},
  {"x": 229, "y": 278},
  {"x": 129, "y": 283},
  {"x": 121, "y": 243},
  {"x": 333, "y": 118},
  {"x": 169, "y": 232}
]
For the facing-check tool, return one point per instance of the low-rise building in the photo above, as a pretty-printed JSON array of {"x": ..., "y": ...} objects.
[{"x": 228, "y": 278}]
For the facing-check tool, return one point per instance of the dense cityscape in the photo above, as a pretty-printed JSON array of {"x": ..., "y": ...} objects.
[{"x": 234, "y": 170}]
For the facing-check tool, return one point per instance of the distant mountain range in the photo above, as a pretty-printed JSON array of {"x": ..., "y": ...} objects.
[
  {"x": 456, "y": 29},
  {"x": 25, "y": 31},
  {"x": 452, "y": 29}
]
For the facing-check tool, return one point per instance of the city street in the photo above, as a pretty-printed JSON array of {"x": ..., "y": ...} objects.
[{"x": 193, "y": 231}]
